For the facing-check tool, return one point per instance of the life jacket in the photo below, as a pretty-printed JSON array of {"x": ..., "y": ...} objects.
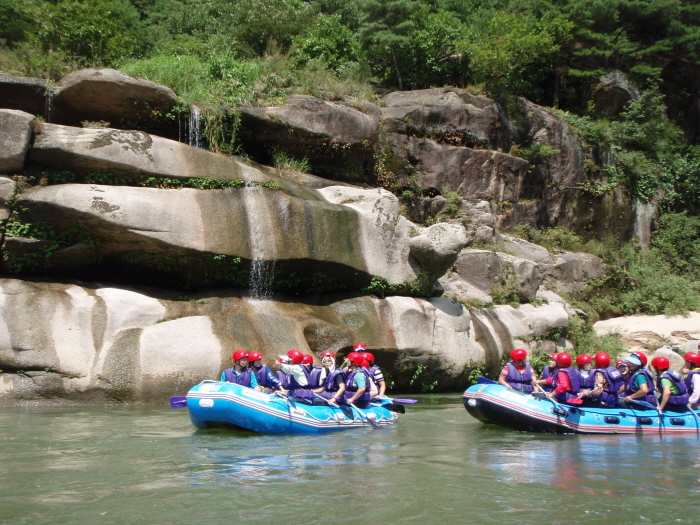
[
  {"x": 546, "y": 374},
  {"x": 689, "y": 380},
  {"x": 315, "y": 377},
  {"x": 520, "y": 381},
  {"x": 296, "y": 390},
  {"x": 574, "y": 379},
  {"x": 284, "y": 379},
  {"x": 615, "y": 381},
  {"x": 351, "y": 387},
  {"x": 630, "y": 388},
  {"x": 674, "y": 399},
  {"x": 373, "y": 386},
  {"x": 587, "y": 381},
  {"x": 329, "y": 385},
  {"x": 261, "y": 375},
  {"x": 242, "y": 379}
]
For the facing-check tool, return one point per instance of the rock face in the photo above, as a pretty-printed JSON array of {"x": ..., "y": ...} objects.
[
  {"x": 103, "y": 94},
  {"x": 23, "y": 93},
  {"x": 613, "y": 92},
  {"x": 337, "y": 139},
  {"x": 15, "y": 137},
  {"x": 110, "y": 345}
]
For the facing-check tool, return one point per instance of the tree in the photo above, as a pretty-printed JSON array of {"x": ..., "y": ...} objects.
[{"x": 385, "y": 26}]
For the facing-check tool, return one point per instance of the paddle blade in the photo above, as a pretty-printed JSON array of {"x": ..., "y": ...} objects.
[
  {"x": 178, "y": 402},
  {"x": 399, "y": 409},
  {"x": 404, "y": 401}
]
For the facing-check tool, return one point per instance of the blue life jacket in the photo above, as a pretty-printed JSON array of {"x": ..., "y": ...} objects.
[
  {"x": 546, "y": 374},
  {"x": 674, "y": 399},
  {"x": 315, "y": 377},
  {"x": 586, "y": 382},
  {"x": 689, "y": 380},
  {"x": 521, "y": 382},
  {"x": 614, "y": 378},
  {"x": 242, "y": 379},
  {"x": 296, "y": 390},
  {"x": 351, "y": 387},
  {"x": 265, "y": 377},
  {"x": 574, "y": 379},
  {"x": 630, "y": 388}
]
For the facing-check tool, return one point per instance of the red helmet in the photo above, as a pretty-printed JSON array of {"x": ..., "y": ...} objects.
[
  {"x": 296, "y": 356},
  {"x": 563, "y": 360},
  {"x": 518, "y": 354},
  {"x": 239, "y": 354},
  {"x": 359, "y": 346},
  {"x": 365, "y": 363},
  {"x": 583, "y": 359},
  {"x": 692, "y": 357},
  {"x": 602, "y": 360},
  {"x": 662, "y": 363},
  {"x": 621, "y": 362},
  {"x": 307, "y": 359},
  {"x": 254, "y": 356},
  {"x": 327, "y": 354},
  {"x": 553, "y": 357},
  {"x": 368, "y": 356},
  {"x": 642, "y": 357},
  {"x": 356, "y": 358}
]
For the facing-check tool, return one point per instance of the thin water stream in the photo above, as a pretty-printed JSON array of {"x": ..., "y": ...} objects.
[{"x": 435, "y": 465}]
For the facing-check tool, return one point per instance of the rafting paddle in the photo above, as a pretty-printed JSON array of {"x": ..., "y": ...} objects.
[
  {"x": 365, "y": 418},
  {"x": 399, "y": 409},
  {"x": 178, "y": 402}
]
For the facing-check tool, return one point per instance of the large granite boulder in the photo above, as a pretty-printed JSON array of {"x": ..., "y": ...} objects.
[
  {"x": 438, "y": 247},
  {"x": 23, "y": 94},
  {"x": 15, "y": 138},
  {"x": 477, "y": 272},
  {"x": 473, "y": 174},
  {"x": 613, "y": 91},
  {"x": 123, "y": 100},
  {"x": 572, "y": 270},
  {"x": 453, "y": 116},
  {"x": 70, "y": 344},
  {"x": 338, "y": 140},
  {"x": 7, "y": 189}
]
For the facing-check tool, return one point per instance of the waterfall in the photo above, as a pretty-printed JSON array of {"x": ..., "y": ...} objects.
[
  {"x": 195, "y": 138},
  {"x": 262, "y": 242},
  {"x": 49, "y": 104}
]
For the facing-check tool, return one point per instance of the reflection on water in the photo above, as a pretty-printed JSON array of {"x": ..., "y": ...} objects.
[{"x": 435, "y": 465}]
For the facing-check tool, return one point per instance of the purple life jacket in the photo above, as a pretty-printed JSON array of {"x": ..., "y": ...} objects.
[
  {"x": 315, "y": 377},
  {"x": 689, "y": 380},
  {"x": 242, "y": 379},
  {"x": 674, "y": 399},
  {"x": 574, "y": 379},
  {"x": 284, "y": 379},
  {"x": 587, "y": 382},
  {"x": 263, "y": 376},
  {"x": 521, "y": 382},
  {"x": 630, "y": 388},
  {"x": 615, "y": 381},
  {"x": 329, "y": 384},
  {"x": 296, "y": 390},
  {"x": 351, "y": 387},
  {"x": 546, "y": 374}
]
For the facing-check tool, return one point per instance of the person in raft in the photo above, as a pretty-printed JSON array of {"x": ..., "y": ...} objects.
[
  {"x": 377, "y": 387},
  {"x": 518, "y": 374},
  {"x": 331, "y": 380},
  {"x": 639, "y": 385},
  {"x": 607, "y": 382},
  {"x": 566, "y": 383},
  {"x": 585, "y": 363},
  {"x": 298, "y": 375},
  {"x": 356, "y": 389},
  {"x": 548, "y": 371},
  {"x": 692, "y": 380},
  {"x": 240, "y": 373},
  {"x": 266, "y": 378},
  {"x": 674, "y": 393}
]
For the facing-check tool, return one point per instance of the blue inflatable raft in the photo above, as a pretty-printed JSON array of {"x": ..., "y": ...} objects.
[
  {"x": 214, "y": 404},
  {"x": 494, "y": 403}
]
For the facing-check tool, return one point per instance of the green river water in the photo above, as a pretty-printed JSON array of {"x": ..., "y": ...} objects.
[{"x": 436, "y": 465}]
